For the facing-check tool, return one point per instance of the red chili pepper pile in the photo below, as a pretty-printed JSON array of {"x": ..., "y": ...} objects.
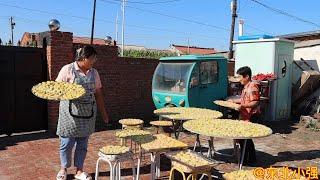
[{"x": 263, "y": 77}]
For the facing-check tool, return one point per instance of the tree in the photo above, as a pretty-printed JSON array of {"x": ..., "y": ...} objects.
[{"x": 154, "y": 54}]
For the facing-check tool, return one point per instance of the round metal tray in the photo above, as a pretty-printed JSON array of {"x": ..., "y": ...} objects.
[{"x": 225, "y": 137}]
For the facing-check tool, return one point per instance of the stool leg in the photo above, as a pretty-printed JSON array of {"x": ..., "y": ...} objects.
[
  {"x": 194, "y": 176},
  {"x": 114, "y": 172},
  {"x": 97, "y": 169},
  {"x": 119, "y": 170},
  {"x": 172, "y": 174},
  {"x": 190, "y": 177},
  {"x": 111, "y": 168},
  {"x": 209, "y": 175},
  {"x": 133, "y": 169}
]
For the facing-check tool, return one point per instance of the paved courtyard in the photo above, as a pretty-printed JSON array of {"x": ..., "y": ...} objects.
[{"x": 36, "y": 156}]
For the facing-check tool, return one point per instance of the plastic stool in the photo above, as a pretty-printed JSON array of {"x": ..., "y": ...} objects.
[{"x": 114, "y": 162}]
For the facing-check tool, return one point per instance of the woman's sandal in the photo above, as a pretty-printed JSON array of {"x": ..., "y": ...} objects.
[{"x": 83, "y": 176}]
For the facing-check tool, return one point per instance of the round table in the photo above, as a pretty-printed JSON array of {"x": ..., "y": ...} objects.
[
  {"x": 180, "y": 114},
  {"x": 162, "y": 124},
  {"x": 227, "y": 128}
]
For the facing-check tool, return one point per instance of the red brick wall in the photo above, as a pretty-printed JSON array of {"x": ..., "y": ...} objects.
[
  {"x": 126, "y": 81},
  {"x": 127, "y": 87},
  {"x": 231, "y": 68}
]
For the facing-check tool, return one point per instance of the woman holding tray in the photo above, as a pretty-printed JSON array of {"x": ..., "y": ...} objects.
[
  {"x": 249, "y": 109},
  {"x": 77, "y": 117}
]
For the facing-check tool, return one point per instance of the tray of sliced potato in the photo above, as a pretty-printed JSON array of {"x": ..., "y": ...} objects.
[
  {"x": 114, "y": 150},
  {"x": 228, "y": 128},
  {"x": 131, "y": 122},
  {"x": 187, "y": 113},
  {"x": 161, "y": 123},
  {"x": 190, "y": 161},
  {"x": 159, "y": 142},
  {"x": 127, "y": 133},
  {"x": 227, "y": 104},
  {"x": 52, "y": 90}
]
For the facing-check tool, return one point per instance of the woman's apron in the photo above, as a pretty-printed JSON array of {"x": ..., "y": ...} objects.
[{"x": 77, "y": 117}]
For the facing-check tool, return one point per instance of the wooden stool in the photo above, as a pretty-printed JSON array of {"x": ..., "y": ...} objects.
[
  {"x": 192, "y": 174},
  {"x": 196, "y": 164}
]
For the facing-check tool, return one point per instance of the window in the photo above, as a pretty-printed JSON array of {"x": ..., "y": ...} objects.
[
  {"x": 172, "y": 77},
  {"x": 194, "y": 80},
  {"x": 209, "y": 72}
]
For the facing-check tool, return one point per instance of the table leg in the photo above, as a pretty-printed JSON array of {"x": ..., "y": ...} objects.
[
  {"x": 153, "y": 166},
  {"x": 174, "y": 128},
  {"x": 157, "y": 159},
  {"x": 243, "y": 153},
  {"x": 197, "y": 143},
  {"x": 211, "y": 148},
  {"x": 177, "y": 128},
  {"x": 135, "y": 147}
]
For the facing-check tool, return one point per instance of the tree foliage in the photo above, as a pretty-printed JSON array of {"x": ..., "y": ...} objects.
[{"x": 154, "y": 54}]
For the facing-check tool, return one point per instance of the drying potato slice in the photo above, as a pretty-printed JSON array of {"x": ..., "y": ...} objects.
[{"x": 52, "y": 90}]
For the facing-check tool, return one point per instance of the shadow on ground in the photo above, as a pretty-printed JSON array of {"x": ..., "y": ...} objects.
[{"x": 15, "y": 139}]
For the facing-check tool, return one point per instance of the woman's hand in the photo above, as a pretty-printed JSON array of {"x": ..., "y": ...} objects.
[
  {"x": 230, "y": 100},
  {"x": 105, "y": 118}
]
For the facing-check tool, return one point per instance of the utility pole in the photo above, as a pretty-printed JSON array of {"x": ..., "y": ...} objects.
[
  {"x": 93, "y": 19},
  {"x": 241, "y": 22},
  {"x": 12, "y": 24},
  {"x": 123, "y": 23},
  {"x": 117, "y": 27},
  {"x": 234, "y": 15}
]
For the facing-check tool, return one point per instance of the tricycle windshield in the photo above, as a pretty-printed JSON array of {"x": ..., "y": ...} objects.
[{"x": 172, "y": 77}]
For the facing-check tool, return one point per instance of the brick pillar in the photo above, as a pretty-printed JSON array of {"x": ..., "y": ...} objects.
[{"x": 59, "y": 53}]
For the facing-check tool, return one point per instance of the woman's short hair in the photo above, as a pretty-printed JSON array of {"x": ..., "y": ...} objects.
[
  {"x": 244, "y": 71},
  {"x": 85, "y": 52}
]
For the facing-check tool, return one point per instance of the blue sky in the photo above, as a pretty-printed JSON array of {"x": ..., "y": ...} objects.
[{"x": 158, "y": 31}]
